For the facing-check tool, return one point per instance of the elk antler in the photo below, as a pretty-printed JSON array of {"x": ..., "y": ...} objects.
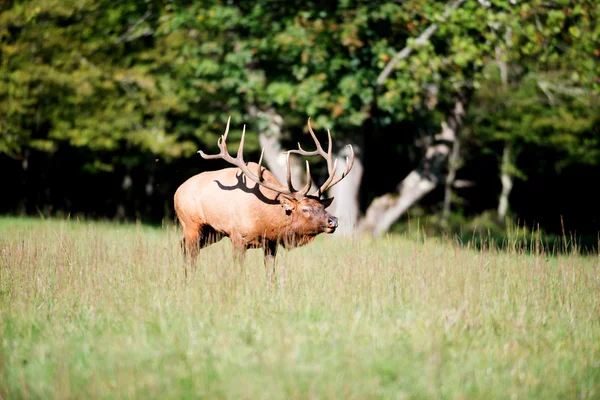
[
  {"x": 331, "y": 166},
  {"x": 238, "y": 161}
]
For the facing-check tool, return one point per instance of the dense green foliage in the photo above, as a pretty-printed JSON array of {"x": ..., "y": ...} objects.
[{"x": 125, "y": 89}]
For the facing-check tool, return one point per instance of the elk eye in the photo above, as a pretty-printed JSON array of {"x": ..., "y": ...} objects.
[{"x": 306, "y": 210}]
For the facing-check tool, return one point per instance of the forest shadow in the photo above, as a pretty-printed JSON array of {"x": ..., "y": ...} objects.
[
  {"x": 549, "y": 244},
  {"x": 484, "y": 232}
]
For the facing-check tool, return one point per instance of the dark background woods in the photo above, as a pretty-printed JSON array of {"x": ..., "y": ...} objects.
[{"x": 103, "y": 105}]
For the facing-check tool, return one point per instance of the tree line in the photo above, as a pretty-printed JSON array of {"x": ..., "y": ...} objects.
[{"x": 453, "y": 109}]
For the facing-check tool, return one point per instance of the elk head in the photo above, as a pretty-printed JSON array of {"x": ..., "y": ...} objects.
[{"x": 307, "y": 211}]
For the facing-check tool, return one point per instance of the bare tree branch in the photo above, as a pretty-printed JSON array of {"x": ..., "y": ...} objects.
[
  {"x": 572, "y": 91},
  {"x": 549, "y": 95},
  {"x": 129, "y": 32},
  {"x": 385, "y": 210},
  {"x": 423, "y": 37}
]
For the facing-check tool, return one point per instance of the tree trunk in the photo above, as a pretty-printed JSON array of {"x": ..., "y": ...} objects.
[
  {"x": 45, "y": 206},
  {"x": 507, "y": 182},
  {"x": 149, "y": 189},
  {"x": 270, "y": 128},
  {"x": 24, "y": 182},
  {"x": 383, "y": 212},
  {"x": 505, "y": 176},
  {"x": 452, "y": 167},
  {"x": 345, "y": 205},
  {"x": 126, "y": 197}
]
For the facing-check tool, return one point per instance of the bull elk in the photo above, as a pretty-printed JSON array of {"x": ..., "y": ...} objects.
[{"x": 250, "y": 206}]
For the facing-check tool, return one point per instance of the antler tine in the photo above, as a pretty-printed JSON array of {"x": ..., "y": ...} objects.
[
  {"x": 349, "y": 164},
  {"x": 331, "y": 164},
  {"x": 319, "y": 151},
  {"x": 312, "y": 133},
  {"x": 259, "y": 174},
  {"x": 221, "y": 143},
  {"x": 327, "y": 183},
  {"x": 289, "y": 173},
  {"x": 240, "y": 152},
  {"x": 330, "y": 181},
  {"x": 239, "y": 162},
  {"x": 223, "y": 138},
  {"x": 306, "y": 187},
  {"x": 329, "y": 147}
]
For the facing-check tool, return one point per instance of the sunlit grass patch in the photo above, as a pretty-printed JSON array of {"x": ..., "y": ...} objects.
[{"x": 103, "y": 311}]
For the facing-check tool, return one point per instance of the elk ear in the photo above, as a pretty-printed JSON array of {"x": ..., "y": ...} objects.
[
  {"x": 326, "y": 202},
  {"x": 288, "y": 203}
]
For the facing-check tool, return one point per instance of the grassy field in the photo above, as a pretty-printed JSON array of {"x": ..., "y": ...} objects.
[{"x": 99, "y": 310}]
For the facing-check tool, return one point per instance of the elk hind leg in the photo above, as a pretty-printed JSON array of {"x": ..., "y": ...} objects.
[
  {"x": 196, "y": 239},
  {"x": 239, "y": 250}
]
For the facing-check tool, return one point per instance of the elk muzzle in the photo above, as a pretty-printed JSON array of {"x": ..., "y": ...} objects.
[{"x": 332, "y": 223}]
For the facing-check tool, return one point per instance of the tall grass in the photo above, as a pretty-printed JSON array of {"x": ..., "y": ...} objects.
[{"x": 95, "y": 310}]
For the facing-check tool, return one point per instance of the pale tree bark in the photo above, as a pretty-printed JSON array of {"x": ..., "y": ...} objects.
[
  {"x": 25, "y": 166},
  {"x": 505, "y": 176},
  {"x": 270, "y": 130},
  {"x": 450, "y": 178},
  {"x": 507, "y": 182},
  {"x": 126, "y": 185},
  {"x": 345, "y": 205},
  {"x": 383, "y": 212}
]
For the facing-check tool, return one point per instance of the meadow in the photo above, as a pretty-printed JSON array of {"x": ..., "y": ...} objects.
[{"x": 103, "y": 310}]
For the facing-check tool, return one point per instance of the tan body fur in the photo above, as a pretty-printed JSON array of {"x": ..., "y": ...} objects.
[{"x": 215, "y": 204}]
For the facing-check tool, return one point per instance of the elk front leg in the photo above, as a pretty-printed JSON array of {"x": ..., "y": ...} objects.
[
  {"x": 270, "y": 252},
  {"x": 239, "y": 250}
]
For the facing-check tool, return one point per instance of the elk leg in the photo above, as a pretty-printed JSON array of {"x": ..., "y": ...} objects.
[
  {"x": 239, "y": 255},
  {"x": 189, "y": 245},
  {"x": 194, "y": 240},
  {"x": 239, "y": 250},
  {"x": 270, "y": 252}
]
